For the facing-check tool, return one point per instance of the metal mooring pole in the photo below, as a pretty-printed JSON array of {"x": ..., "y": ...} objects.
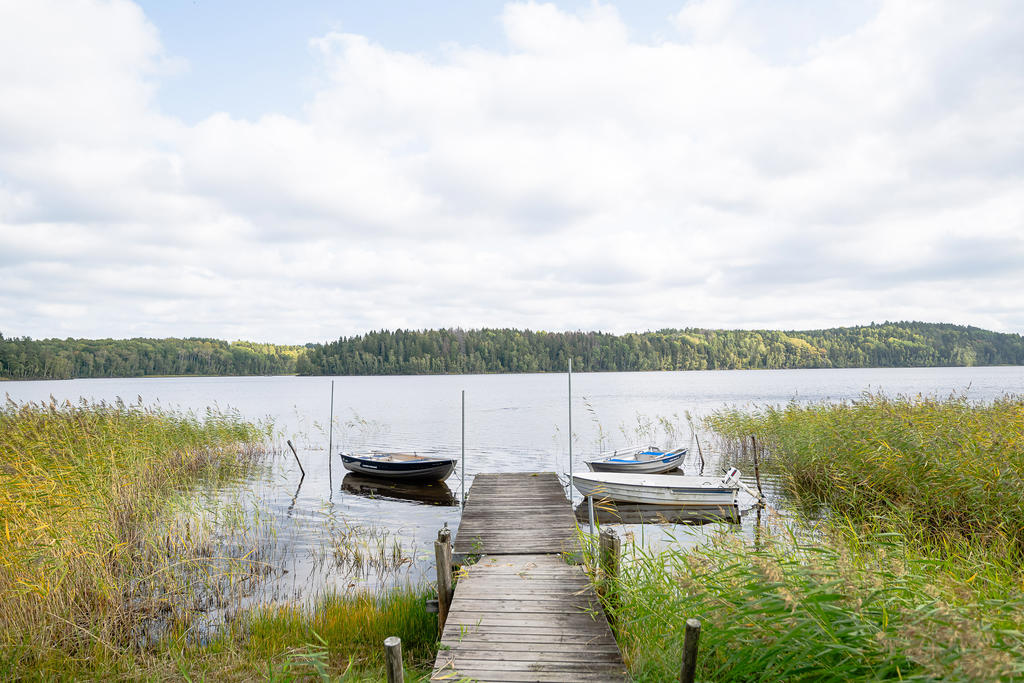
[
  {"x": 463, "y": 482},
  {"x": 570, "y": 430},
  {"x": 330, "y": 443}
]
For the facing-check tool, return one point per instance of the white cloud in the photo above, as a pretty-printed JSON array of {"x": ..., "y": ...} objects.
[
  {"x": 707, "y": 20},
  {"x": 543, "y": 29},
  {"x": 578, "y": 179}
]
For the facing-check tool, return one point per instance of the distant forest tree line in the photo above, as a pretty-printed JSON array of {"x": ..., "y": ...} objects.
[
  {"x": 456, "y": 351},
  {"x": 73, "y": 358}
]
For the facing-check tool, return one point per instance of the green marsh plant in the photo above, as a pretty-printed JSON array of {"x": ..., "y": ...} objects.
[
  {"x": 850, "y": 606},
  {"x": 899, "y": 558}
]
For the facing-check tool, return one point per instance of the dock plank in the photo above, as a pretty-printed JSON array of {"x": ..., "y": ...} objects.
[{"x": 516, "y": 513}]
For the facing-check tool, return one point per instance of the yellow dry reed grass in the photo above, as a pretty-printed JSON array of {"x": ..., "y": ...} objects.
[{"x": 82, "y": 576}]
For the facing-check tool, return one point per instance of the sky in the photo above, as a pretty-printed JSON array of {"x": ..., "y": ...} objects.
[{"x": 297, "y": 172}]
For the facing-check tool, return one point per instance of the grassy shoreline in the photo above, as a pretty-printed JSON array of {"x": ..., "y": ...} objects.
[
  {"x": 106, "y": 572},
  {"x": 903, "y": 563}
]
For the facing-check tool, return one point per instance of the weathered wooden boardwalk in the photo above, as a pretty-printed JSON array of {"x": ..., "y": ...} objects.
[
  {"x": 521, "y": 613},
  {"x": 516, "y": 513}
]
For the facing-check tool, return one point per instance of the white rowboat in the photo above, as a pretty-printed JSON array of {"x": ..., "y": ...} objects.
[
  {"x": 642, "y": 460},
  {"x": 660, "y": 489}
]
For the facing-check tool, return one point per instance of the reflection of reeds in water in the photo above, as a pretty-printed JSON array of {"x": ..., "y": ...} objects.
[
  {"x": 360, "y": 550},
  {"x": 253, "y": 557},
  {"x": 213, "y": 556}
]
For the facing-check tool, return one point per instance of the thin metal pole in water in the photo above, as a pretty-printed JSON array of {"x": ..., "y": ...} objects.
[
  {"x": 330, "y": 443},
  {"x": 590, "y": 508},
  {"x": 463, "y": 482},
  {"x": 571, "y": 483}
]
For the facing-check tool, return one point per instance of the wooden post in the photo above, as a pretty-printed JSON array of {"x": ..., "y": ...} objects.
[
  {"x": 609, "y": 562},
  {"x": 757, "y": 468},
  {"x": 757, "y": 529},
  {"x": 609, "y": 554},
  {"x": 689, "y": 669},
  {"x": 296, "y": 457},
  {"x": 443, "y": 558},
  {"x": 393, "y": 659}
]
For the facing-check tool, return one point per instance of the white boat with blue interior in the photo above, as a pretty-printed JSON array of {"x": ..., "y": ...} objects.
[
  {"x": 660, "y": 489},
  {"x": 638, "y": 459}
]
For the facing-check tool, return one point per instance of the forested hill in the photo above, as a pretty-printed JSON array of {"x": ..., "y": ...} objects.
[
  {"x": 505, "y": 350},
  {"x": 69, "y": 358}
]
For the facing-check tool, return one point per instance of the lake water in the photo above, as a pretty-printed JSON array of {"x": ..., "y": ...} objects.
[{"x": 512, "y": 423}]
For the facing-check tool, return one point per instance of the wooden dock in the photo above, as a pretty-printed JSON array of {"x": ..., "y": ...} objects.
[
  {"x": 517, "y": 513},
  {"x": 521, "y": 613}
]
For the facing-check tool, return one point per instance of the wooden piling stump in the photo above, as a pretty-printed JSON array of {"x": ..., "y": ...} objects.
[
  {"x": 393, "y": 659},
  {"x": 690, "y": 641},
  {"x": 443, "y": 559}
]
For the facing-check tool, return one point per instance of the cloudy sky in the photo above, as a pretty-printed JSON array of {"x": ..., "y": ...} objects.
[{"x": 295, "y": 172}]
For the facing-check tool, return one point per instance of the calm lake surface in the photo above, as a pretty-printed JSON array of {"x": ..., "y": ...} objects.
[{"x": 512, "y": 423}]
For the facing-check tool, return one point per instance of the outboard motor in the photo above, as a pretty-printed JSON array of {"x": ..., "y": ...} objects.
[{"x": 732, "y": 477}]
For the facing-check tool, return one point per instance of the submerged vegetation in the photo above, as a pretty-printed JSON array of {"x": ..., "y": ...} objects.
[
  {"x": 108, "y": 568},
  {"x": 904, "y": 560},
  {"x": 455, "y": 351}
]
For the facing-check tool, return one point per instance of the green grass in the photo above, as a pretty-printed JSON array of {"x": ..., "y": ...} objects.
[
  {"x": 350, "y": 629},
  {"x": 107, "y": 567},
  {"x": 849, "y": 606},
  {"x": 339, "y": 639},
  {"x": 902, "y": 559}
]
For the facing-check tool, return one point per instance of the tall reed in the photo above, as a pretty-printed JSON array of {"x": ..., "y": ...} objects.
[
  {"x": 948, "y": 465},
  {"x": 82, "y": 575},
  {"x": 902, "y": 559}
]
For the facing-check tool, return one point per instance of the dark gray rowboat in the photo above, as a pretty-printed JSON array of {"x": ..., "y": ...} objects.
[{"x": 398, "y": 466}]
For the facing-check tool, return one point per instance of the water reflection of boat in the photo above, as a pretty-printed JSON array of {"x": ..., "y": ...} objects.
[
  {"x": 432, "y": 493},
  {"x": 610, "y": 512},
  {"x": 393, "y": 466}
]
